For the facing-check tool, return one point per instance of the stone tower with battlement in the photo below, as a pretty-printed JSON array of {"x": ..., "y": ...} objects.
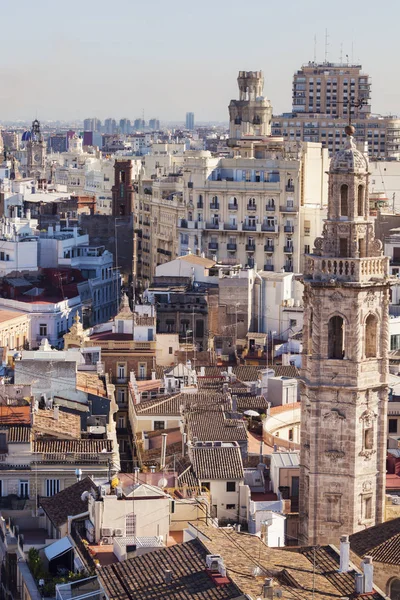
[
  {"x": 251, "y": 114},
  {"x": 345, "y": 363}
]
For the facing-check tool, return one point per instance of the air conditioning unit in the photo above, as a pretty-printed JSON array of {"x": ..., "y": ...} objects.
[
  {"x": 106, "y": 532},
  {"x": 106, "y": 540},
  {"x": 103, "y": 491},
  {"x": 396, "y": 500},
  {"x": 119, "y": 532},
  {"x": 211, "y": 558}
]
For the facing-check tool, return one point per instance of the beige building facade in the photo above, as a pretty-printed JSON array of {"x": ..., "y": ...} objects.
[{"x": 345, "y": 363}]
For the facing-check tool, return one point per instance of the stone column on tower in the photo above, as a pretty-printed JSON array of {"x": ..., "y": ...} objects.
[{"x": 345, "y": 363}]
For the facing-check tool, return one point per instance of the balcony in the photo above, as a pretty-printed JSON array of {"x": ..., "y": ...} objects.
[
  {"x": 232, "y": 206},
  {"x": 231, "y": 247},
  {"x": 268, "y": 248},
  {"x": 250, "y": 247},
  {"x": 212, "y": 225},
  {"x": 200, "y": 204},
  {"x": 288, "y": 249},
  {"x": 270, "y": 207},
  {"x": 288, "y": 209},
  {"x": 249, "y": 227},
  {"x": 288, "y": 268},
  {"x": 123, "y": 380},
  {"x": 214, "y": 205},
  {"x": 213, "y": 246},
  {"x": 230, "y": 226},
  {"x": 270, "y": 228},
  {"x": 251, "y": 207},
  {"x": 288, "y": 229},
  {"x": 268, "y": 267},
  {"x": 289, "y": 188}
]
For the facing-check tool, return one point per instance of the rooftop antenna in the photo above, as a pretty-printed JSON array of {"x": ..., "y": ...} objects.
[
  {"x": 326, "y": 45},
  {"x": 315, "y": 48},
  {"x": 352, "y": 52},
  {"x": 347, "y": 58},
  {"x": 341, "y": 53}
]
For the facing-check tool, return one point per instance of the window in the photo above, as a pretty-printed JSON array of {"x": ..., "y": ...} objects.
[
  {"x": 231, "y": 486},
  {"x": 121, "y": 367},
  {"x": 395, "y": 589},
  {"x": 344, "y": 192},
  {"x": 367, "y": 508},
  {"x": 395, "y": 342},
  {"x": 306, "y": 249},
  {"x": 368, "y": 438},
  {"x": 142, "y": 370},
  {"x": 206, "y": 485},
  {"x": 360, "y": 202},
  {"x": 290, "y": 435},
  {"x": 392, "y": 425},
  {"x": 121, "y": 423},
  {"x": 23, "y": 488},
  {"x": 52, "y": 487},
  {"x": 170, "y": 350},
  {"x": 43, "y": 329},
  {"x": 3, "y": 443},
  {"x": 121, "y": 396},
  {"x": 371, "y": 326},
  {"x": 159, "y": 425},
  {"x": 336, "y": 338},
  {"x": 231, "y": 507},
  {"x": 343, "y": 247},
  {"x": 130, "y": 525}
]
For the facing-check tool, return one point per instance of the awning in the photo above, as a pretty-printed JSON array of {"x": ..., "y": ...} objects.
[{"x": 58, "y": 548}]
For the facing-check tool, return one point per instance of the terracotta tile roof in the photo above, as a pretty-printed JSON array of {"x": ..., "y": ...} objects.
[
  {"x": 15, "y": 415},
  {"x": 248, "y": 401},
  {"x": 91, "y": 383},
  {"x": 187, "y": 477},
  {"x": 215, "y": 427},
  {"x": 382, "y": 542},
  {"x": 250, "y": 372},
  {"x": 67, "y": 503},
  {"x": 171, "y": 405},
  {"x": 8, "y": 315},
  {"x": 50, "y": 446},
  {"x": 292, "y": 569},
  {"x": 65, "y": 425},
  {"x": 143, "y": 577},
  {"x": 216, "y": 462},
  {"x": 18, "y": 435},
  {"x": 197, "y": 260},
  {"x": 149, "y": 384}
]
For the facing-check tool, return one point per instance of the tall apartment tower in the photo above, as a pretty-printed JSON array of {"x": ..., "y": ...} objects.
[
  {"x": 345, "y": 363},
  {"x": 190, "y": 121},
  {"x": 251, "y": 114},
  {"x": 122, "y": 190},
  {"x": 330, "y": 88}
]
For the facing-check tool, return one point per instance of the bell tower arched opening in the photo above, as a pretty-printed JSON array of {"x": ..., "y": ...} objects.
[{"x": 336, "y": 338}]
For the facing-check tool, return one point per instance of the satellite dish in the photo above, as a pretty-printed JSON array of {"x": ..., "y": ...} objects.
[{"x": 162, "y": 482}]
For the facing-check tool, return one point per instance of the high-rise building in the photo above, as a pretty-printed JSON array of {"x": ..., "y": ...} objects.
[
  {"x": 110, "y": 126},
  {"x": 154, "y": 124},
  {"x": 93, "y": 124},
  {"x": 139, "y": 124},
  {"x": 190, "y": 121},
  {"x": 332, "y": 89},
  {"x": 345, "y": 363},
  {"x": 324, "y": 97},
  {"x": 125, "y": 126}
]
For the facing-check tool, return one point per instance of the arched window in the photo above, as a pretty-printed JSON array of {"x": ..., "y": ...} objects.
[
  {"x": 371, "y": 327},
  {"x": 360, "y": 201},
  {"x": 395, "y": 589},
  {"x": 344, "y": 204},
  {"x": 336, "y": 338}
]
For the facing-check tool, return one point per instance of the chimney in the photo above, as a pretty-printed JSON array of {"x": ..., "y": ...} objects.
[
  {"x": 368, "y": 569},
  {"x": 268, "y": 588},
  {"x": 234, "y": 403},
  {"x": 167, "y": 576},
  {"x": 359, "y": 583},
  {"x": 153, "y": 375},
  {"x": 50, "y": 231},
  {"x": 152, "y": 469},
  {"x": 136, "y": 472},
  {"x": 163, "y": 450},
  {"x": 56, "y": 413},
  {"x": 344, "y": 554},
  {"x": 184, "y": 436},
  {"x": 202, "y": 371},
  {"x": 230, "y": 370}
]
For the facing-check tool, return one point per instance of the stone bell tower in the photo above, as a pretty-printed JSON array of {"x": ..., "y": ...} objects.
[{"x": 345, "y": 363}]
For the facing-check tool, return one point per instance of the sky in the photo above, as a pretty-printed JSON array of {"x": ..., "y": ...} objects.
[{"x": 95, "y": 58}]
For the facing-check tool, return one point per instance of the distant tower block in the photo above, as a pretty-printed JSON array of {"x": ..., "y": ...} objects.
[{"x": 251, "y": 114}]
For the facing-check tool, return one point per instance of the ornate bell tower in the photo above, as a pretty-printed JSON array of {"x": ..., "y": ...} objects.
[
  {"x": 36, "y": 152},
  {"x": 345, "y": 363}
]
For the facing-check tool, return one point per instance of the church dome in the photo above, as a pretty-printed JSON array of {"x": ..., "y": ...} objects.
[
  {"x": 26, "y": 136},
  {"x": 349, "y": 159}
]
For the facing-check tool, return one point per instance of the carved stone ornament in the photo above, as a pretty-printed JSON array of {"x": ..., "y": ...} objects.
[
  {"x": 337, "y": 297},
  {"x": 370, "y": 298},
  {"x": 334, "y": 416},
  {"x": 367, "y": 453},
  {"x": 334, "y": 455},
  {"x": 368, "y": 417},
  {"x": 334, "y": 487},
  {"x": 367, "y": 486},
  {"x": 318, "y": 243}
]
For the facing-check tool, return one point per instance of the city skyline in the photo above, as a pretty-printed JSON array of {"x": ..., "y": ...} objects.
[{"x": 81, "y": 52}]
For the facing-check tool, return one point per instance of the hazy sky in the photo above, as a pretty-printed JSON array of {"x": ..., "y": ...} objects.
[{"x": 74, "y": 59}]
